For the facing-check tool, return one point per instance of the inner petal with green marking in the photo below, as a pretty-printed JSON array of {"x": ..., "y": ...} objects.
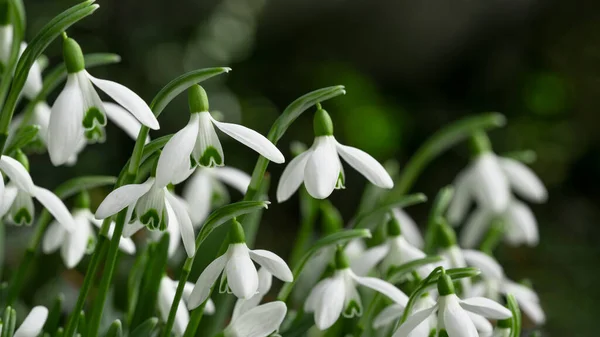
[{"x": 93, "y": 116}]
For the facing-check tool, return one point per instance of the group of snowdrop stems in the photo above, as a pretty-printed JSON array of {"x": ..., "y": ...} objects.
[{"x": 413, "y": 292}]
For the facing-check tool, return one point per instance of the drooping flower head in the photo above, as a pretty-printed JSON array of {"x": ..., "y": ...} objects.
[
  {"x": 197, "y": 144},
  {"x": 79, "y": 116},
  {"x": 320, "y": 168}
]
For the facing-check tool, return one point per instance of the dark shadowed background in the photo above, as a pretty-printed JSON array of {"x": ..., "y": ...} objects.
[{"x": 409, "y": 68}]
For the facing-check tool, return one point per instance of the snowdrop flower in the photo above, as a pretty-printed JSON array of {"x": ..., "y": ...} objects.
[
  {"x": 166, "y": 294},
  {"x": 338, "y": 295},
  {"x": 489, "y": 180},
  {"x": 409, "y": 228},
  {"x": 207, "y": 185},
  {"x": 393, "y": 312},
  {"x": 76, "y": 243},
  {"x": 78, "y": 113},
  {"x": 33, "y": 83},
  {"x": 197, "y": 143},
  {"x": 260, "y": 321},
  {"x": 17, "y": 196},
  {"x": 452, "y": 253},
  {"x": 395, "y": 251},
  {"x": 33, "y": 324},
  {"x": 320, "y": 167},
  {"x": 239, "y": 274},
  {"x": 150, "y": 205},
  {"x": 453, "y": 313},
  {"x": 518, "y": 221},
  {"x": 265, "y": 280}
]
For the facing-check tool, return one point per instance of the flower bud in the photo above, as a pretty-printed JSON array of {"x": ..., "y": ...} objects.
[
  {"x": 197, "y": 99},
  {"x": 322, "y": 124},
  {"x": 445, "y": 285},
  {"x": 72, "y": 55},
  {"x": 236, "y": 235}
]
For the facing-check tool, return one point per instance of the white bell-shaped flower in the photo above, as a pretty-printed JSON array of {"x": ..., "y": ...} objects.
[
  {"x": 166, "y": 294},
  {"x": 320, "y": 167},
  {"x": 78, "y": 113},
  {"x": 410, "y": 229},
  {"x": 392, "y": 313},
  {"x": 337, "y": 294},
  {"x": 489, "y": 180},
  {"x": 197, "y": 143},
  {"x": 395, "y": 251},
  {"x": 152, "y": 206},
  {"x": 454, "y": 314},
  {"x": 260, "y": 321},
  {"x": 239, "y": 275},
  {"x": 81, "y": 240},
  {"x": 33, "y": 324},
  {"x": 206, "y": 189}
]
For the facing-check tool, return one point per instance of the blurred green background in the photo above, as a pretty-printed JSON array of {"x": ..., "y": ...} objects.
[{"x": 409, "y": 67}]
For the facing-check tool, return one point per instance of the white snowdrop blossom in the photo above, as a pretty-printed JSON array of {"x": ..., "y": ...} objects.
[
  {"x": 489, "y": 180},
  {"x": 78, "y": 115},
  {"x": 206, "y": 189},
  {"x": 33, "y": 324},
  {"x": 337, "y": 295},
  {"x": 239, "y": 275},
  {"x": 260, "y": 321},
  {"x": 265, "y": 280},
  {"x": 33, "y": 83},
  {"x": 81, "y": 240},
  {"x": 410, "y": 229},
  {"x": 166, "y": 294},
  {"x": 152, "y": 206},
  {"x": 320, "y": 167},
  {"x": 197, "y": 143},
  {"x": 392, "y": 313},
  {"x": 455, "y": 316},
  {"x": 17, "y": 197}
]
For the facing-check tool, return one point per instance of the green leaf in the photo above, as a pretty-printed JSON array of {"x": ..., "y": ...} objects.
[
  {"x": 396, "y": 274},
  {"x": 441, "y": 141},
  {"x": 373, "y": 218},
  {"x": 25, "y": 135},
  {"x": 134, "y": 281},
  {"x": 440, "y": 205},
  {"x": 115, "y": 329},
  {"x": 9, "y": 322},
  {"x": 513, "y": 306},
  {"x": 54, "y": 314},
  {"x": 329, "y": 240},
  {"x": 82, "y": 324},
  {"x": 76, "y": 185},
  {"x": 145, "y": 329},
  {"x": 524, "y": 156}
]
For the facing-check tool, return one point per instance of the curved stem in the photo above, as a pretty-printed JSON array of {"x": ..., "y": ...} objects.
[{"x": 185, "y": 273}]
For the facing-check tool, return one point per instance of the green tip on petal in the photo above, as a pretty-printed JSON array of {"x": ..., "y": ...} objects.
[
  {"x": 443, "y": 333},
  {"x": 236, "y": 235},
  {"x": 23, "y": 217},
  {"x": 82, "y": 200},
  {"x": 73, "y": 56},
  {"x": 445, "y": 285},
  {"x": 197, "y": 98},
  {"x": 211, "y": 158},
  {"x": 322, "y": 124},
  {"x": 447, "y": 236},
  {"x": 341, "y": 260},
  {"x": 393, "y": 227},
  {"x": 480, "y": 143},
  {"x": 22, "y": 158},
  {"x": 505, "y": 323}
]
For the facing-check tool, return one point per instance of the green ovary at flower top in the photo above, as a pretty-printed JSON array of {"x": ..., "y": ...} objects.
[
  {"x": 197, "y": 144},
  {"x": 320, "y": 167}
]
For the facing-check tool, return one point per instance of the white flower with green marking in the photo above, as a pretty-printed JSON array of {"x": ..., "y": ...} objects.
[
  {"x": 260, "y": 321},
  {"x": 390, "y": 314},
  {"x": 236, "y": 268},
  {"x": 79, "y": 116},
  {"x": 320, "y": 168}
]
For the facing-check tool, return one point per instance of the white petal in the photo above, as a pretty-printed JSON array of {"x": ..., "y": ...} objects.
[
  {"x": 128, "y": 99},
  {"x": 331, "y": 304},
  {"x": 489, "y": 184},
  {"x": 55, "y": 207},
  {"x": 265, "y": 280},
  {"x": 483, "y": 326},
  {"x": 33, "y": 323},
  {"x": 76, "y": 242},
  {"x": 409, "y": 228},
  {"x": 209, "y": 308},
  {"x": 383, "y": 287},
  {"x": 292, "y": 176},
  {"x": 362, "y": 265},
  {"x": 251, "y": 139},
  {"x": 523, "y": 180},
  {"x": 233, "y": 177},
  {"x": 490, "y": 268},
  {"x": 365, "y": 165},
  {"x": 521, "y": 223},
  {"x": 461, "y": 199},
  {"x": 125, "y": 244},
  {"x": 65, "y": 131},
  {"x": 123, "y": 119},
  {"x": 206, "y": 281},
  {"x": 10, "y": 194},
  {"x": 475, "y": 228},
  {"x": 133, "y": 228},
  {"x": 322, "y": 168},
  {"x": 17, "y": 173},
  {"x": 242, "y": 276},
  {"x": 520, "y": 291},
  {"x": 188, "y": 287},
  {"x": 414, "y": 321},
  {"x": 455, "y": 320},
  {"x": 485, "y": 307},
  {"x": 533, "y": 310},
  {"x": 388, "y": 315},
  {"x": 176, "y": 153},
  {"x": 6, "y": 35},
  {"x": 122, "y": 197},
  {"x": 198, "y": 194},
  {"x": 315, "y": 295},
  {"x": 3, "y": 208},
  {"x": 33, "y": 83},
  {"x": 258, "y": 322},
  {"x": 174, "y": 238},
  {"x": 272, "y": 263},
  {"x": 185, "y": 224},
  {"x": 53, "y": 238}
]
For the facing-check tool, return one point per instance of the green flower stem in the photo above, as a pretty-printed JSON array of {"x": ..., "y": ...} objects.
[
  {"x": 309, "y": 208},
  {"x": 440, "y": 142},
  {"x": 493, "y": 237},
  {"x": 185, "y": 274},
  {"x": 440, "y": 205},
  {"x": 195, "y": 319},
  {"x": 10, "y": 66},
  {"x": 2, "y": 240}
]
